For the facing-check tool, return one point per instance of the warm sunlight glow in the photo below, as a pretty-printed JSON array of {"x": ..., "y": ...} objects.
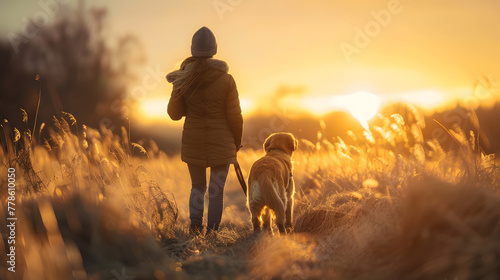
[
  {"x": 153, "y": 109},
  {"x": 426, "y": 99},
  {"x": 362, "y": 105},
  {"x": 247, "y": 105},
  {"x": 317, "y": 105}
]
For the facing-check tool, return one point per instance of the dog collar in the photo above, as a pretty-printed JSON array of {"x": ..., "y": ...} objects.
[{"x": 277, "y": 150}]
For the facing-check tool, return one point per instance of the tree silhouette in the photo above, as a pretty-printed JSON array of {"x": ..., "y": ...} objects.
[{"x": 79, "y": 72}]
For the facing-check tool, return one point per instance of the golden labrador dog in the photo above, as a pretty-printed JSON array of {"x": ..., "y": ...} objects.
[{"x": 271, "y": 185}]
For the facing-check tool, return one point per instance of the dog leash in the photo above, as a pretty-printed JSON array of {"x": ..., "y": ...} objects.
[{"x": 240, "y": 177}]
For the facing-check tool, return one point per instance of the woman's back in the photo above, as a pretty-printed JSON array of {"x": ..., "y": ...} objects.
[
  {"x": 206, "y": 95},
  {"x": 213, "y": 126}
]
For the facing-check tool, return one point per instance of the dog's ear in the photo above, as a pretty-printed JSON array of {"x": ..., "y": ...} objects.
[
  {"x": 267, "y": 143},
  {"x": 292, "y": 142}
]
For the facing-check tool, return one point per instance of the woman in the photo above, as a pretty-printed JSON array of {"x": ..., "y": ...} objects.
[{"x": 206, "y": 94}]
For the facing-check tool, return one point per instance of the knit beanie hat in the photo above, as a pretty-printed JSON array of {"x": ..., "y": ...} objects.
[{"x": 203, "y": 43}]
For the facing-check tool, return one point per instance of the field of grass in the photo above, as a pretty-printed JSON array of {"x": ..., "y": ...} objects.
[{"x": 91, "y": 205}]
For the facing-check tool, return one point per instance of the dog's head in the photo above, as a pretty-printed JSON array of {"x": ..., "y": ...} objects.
[{"x": 283, "y": 141}]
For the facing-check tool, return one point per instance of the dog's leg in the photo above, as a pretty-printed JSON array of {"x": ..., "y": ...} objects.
[
  {"x": 282, "y": 229},
  {"x": 280, "y": 218},
  {"x": 255, "y": 211},
  {"x": 278, "y": 204},
  {"x": 289, "y": 206},
  {"x": 267, "y": 220}
]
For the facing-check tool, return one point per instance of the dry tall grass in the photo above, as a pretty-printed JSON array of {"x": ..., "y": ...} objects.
[{"x": 92, "y": 205}]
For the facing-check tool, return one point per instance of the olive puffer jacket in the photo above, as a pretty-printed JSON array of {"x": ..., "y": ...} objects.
[{"x": 214, "y": 125}]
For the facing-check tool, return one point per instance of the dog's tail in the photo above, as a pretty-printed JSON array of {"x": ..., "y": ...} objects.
[{"x": 268, "y": 192}]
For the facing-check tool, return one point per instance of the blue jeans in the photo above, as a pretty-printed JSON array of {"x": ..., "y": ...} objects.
[{"x": 218, "y": 175}]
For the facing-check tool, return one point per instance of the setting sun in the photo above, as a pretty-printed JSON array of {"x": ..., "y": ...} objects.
[{"x": 362, "y": 105}]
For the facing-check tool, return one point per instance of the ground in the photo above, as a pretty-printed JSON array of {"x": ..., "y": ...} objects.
[{"x": 389, "y": 205}]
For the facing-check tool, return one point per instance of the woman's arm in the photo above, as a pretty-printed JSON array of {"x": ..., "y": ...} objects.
[
  {"x": 176, "y": 108},
  {"x": 176, "y": 105},
  {"x": 233, "y": 113}
]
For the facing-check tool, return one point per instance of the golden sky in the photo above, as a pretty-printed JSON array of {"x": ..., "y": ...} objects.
[{"x": 418, "y": 49}]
